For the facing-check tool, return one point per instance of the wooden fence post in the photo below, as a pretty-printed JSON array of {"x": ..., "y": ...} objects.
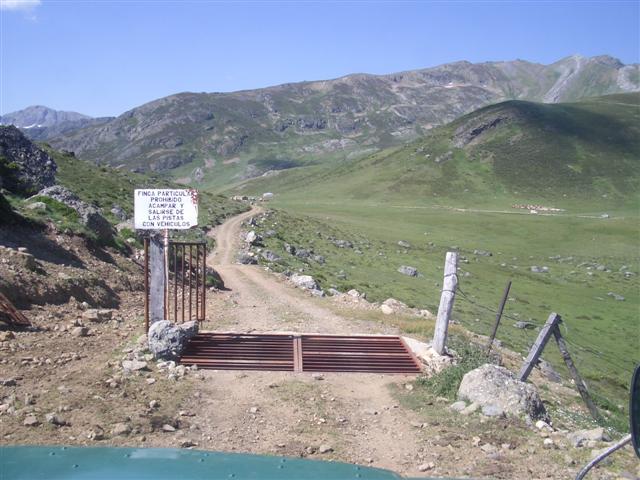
[
  {"x": 499, "y": 316},
  {"x": 543, "y": 337},
  {"x": 580, "y": 385},
  {"x": 156, "y": 279},
  {"x": 447, "y": 297}
]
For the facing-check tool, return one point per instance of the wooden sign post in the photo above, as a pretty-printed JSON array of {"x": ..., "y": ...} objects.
[{"x": 162, "y": 210}]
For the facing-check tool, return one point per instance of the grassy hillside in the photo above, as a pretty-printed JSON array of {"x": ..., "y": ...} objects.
[
  {"x": 582, "y": 154},
  {"x": 454, "y": 190}
]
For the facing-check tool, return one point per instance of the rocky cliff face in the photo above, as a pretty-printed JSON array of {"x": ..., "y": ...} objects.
[
  {"x": 346, "y": 116},
  {"x": 24, "y": 168}
]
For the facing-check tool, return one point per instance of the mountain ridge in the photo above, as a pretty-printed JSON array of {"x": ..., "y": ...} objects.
[{"x": 218, "y": 138}]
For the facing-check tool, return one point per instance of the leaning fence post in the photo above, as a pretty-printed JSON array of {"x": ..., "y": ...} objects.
[
  {"x": 577, "y": 379},
  {"x": 543, "y": 337},
  {"x": 499, "y": 316},
  {"x": 447, "y": 297}
]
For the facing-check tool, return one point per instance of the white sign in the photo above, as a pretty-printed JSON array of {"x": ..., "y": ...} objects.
[{"x": 159, "y": 209}]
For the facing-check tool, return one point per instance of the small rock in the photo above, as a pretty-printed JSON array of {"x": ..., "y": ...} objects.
[
  {"x": 489, "y": 448},
  {"x": 168, "y": 428},
  {"x": 8, "y": 382},
  {"x": 325, "y": 449},
  {"x": 407, "y": 270},
  {"x": 524, "y": 325},
  {"x": 254, "y": 410},
  {"x": 537, "y": 269},
  {"x": 616, "y": 297},
  {"x": 31, "y": 421},
  {"x": 6, "y": 335},
  {"x": 317, "y": 376},
  {"x": 154, "y": 404},
  {"x": 542, "y": 425},
  {"x": 427, "y": 466},
  {"x": 386, "y": 309},
  {"x": 54, "y": 419},
  {"x": 121, "y": 429},
  {"x": 150, "y": 381},
  {"x": 549, "y": 444},
  {"x": 80, "y": 332},
  {"x": 134, "y": 365},
  {"x": 404, "y": 244},
  {"x": 187, "y": 444},
  {"x": 96, "y": 434},
  {"x": 458, "y": 406}
]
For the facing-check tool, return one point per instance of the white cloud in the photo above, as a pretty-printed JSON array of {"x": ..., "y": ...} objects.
[{"x": 19, "y": 5}]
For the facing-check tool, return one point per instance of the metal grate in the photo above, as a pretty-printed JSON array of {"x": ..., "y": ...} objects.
[
  {"x": 240, "y": 352},
  {"x": 301, "y": 353}
]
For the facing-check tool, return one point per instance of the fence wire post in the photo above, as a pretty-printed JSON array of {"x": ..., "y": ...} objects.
[
  {"x": 446, "y": 302},
  {"x": 499, "y": 316},
  {"x": 543, "y": 337},
  {"x": 577, "y": 379}
]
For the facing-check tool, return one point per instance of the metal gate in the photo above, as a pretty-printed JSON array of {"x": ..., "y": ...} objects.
[{"x": 185, "y": 283}]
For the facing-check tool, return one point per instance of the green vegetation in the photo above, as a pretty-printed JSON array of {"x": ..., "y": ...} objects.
[
  {"x": 582, "y": 158},
  {"x": 446, "y": 383}
]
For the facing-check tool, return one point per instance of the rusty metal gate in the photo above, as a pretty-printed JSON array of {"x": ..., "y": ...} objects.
[
  {"x": 301, "y": 353},
  {"x": 185, "y": 282}
]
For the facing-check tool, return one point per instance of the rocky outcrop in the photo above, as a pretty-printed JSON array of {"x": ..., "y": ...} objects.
[
  {"x": 495, "y": 388},
  {"x": 90, "y": 216},
  {"x": 24, "y": 168}
]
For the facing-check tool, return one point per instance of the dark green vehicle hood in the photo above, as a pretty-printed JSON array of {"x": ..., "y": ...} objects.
[{"x": 107, "y": 463}]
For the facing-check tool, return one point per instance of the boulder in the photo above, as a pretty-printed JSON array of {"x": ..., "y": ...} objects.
[
  {"x": 409, "y": 271},
  {"x": 246, "y": 259},
  {"x": 497, "y": 386},
  {"x": 270, "y": 256},
  {"x": 580, "y": 437},
  {"x": 304, "y": 281},
  {"x": 167, "y": 341},
  {"x": 252, "y": 238}
]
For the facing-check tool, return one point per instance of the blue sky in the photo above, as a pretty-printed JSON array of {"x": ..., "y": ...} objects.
[{"x": 105, "y": 57}]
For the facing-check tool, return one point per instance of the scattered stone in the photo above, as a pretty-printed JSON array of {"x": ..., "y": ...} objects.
[
  {"x": 54, "y": 419},
  {"x": 168, "y": 428},
  {"x": 580, "y": 437},
  {"x": 482, "y": 253},
  {"x": 6, "y": 336},
  {"x": 97, "y": 315},
  {"x": 319, "y": 259},
  {"x": 80, "y": 332},
  {"x": 252, "y": 238},
  {"x": 134, "y": 365},
  {"x": 426, "y": 467},
  {"x": 254, "y": 410},
  {"x": 343, "y": 244},
  {"x": 616, "y": 297},
  {"x": 8, "y": 382},
  {"x": 270, "y": 256},
  {"x": 407, "y": 270},
  {"x": 549, "y": 444},
  {"x": 458, "y": 406},
  {"x": 187, "y": 444},
  {"x": 404, "y": 244},
  {"x": 121, "y": 429},
  {"x": 524, "y": 325},
  {"x": 547, "y": 370},
  {"x": 494, "y": 385},
  {"x": 489, "y": 448},
  {"x": 317, "y": 376},
  {"x": 246, "y": 259},
  {"x": 325, "y": 449},
  {"x": 537, "y": 269},
  {"x": 96, "y": 434},
  {"x": 542, "y": 425},
  {"x": 304, "y": 281},
  {"x": 154, "y": 404},
  {"x": 31, "y": 421}
]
